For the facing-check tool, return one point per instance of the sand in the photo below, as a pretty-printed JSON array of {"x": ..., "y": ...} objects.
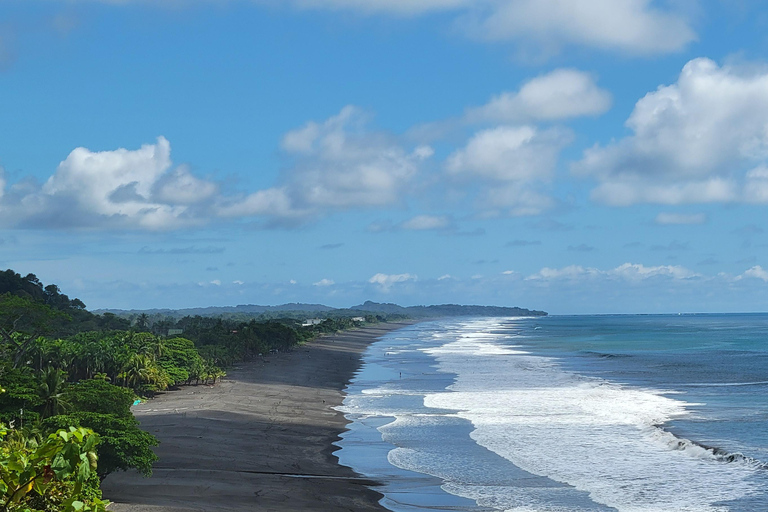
[{"x": 260, "y": 440}]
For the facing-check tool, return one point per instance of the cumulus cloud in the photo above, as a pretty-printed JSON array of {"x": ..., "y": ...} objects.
[
  {"x": 636, "y": 272},
  {"x": 756, "y": 272},
  {"x": 555, "y": 96},
  {"x": 182, "y": 187},
  {"x": 386, "y": 281},
  {"x": 756, "y": 185},
  {"x": 324, "y": 282},
  {"x": 120, "y": 188},
  {"x": 626, "y": 272},
  {"x": 509, "y": 154},
  {"x": 515, "y": 161},
  {"x": 630, "y": 26},
  {"x": 336, "y": 164},
  {"x": 272, "y": 202},
  {"x": 561, "y": 94},
  {"x": 692, "y": 142},
  {"x": 569, "y": 272}
]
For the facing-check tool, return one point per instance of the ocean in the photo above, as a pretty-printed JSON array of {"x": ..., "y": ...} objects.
[{"x": 635, "y": 413}]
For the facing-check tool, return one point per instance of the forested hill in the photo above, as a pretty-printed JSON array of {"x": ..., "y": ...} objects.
[
  {"x": 30, "y": 287},
  {"x": 71, "y": 316},
  {"x": 304, "y": 311},
  {"x": 446, "y": 310}
]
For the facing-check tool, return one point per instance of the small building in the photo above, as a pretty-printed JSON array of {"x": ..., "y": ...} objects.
[
  {"x": 175, "y": 332},
  {"x": 358, "y": 319},
  {"x": 312, "y": 321}
]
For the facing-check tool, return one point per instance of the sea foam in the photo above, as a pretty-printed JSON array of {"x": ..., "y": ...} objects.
[{"x": 600, "y": 437}]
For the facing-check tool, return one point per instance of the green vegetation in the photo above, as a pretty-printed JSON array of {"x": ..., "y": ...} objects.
[
  {"x": 70, "y": 378},
  {"x": 53, "y": 473}
]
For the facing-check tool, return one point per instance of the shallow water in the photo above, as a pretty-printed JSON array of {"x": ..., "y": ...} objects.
[{"x": 627, "y": 413}]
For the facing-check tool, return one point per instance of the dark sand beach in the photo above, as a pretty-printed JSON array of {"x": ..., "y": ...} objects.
[{"x": 260, "y": 440}]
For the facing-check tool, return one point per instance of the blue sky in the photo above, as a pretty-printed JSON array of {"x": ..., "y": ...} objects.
[{"x": 601, "y": 156}]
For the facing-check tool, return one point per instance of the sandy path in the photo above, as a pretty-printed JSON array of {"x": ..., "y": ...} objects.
[{"x": 259, "y": 440}]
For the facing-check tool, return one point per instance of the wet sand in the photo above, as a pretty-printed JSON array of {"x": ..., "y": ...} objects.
[{"x": 260, "y": 440}]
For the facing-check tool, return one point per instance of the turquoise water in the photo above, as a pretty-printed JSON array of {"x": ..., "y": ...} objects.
[{"x": 566, "y": 414}]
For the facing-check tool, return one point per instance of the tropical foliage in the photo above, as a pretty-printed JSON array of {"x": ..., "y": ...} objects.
[
  {"x": 55, "y": 473},
  {"x": 70, "y": 378}
]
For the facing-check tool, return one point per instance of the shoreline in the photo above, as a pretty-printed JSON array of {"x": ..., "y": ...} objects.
[{"x": 263, "y": 438}]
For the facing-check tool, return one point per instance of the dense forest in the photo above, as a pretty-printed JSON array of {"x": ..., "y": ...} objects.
[{"x": 68, "y": 378}]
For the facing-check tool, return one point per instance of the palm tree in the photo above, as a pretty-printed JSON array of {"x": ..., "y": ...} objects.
[
  {"x": 142, "y": 322},
  {"x": 142, "y": 370},
  {"x": 51, "y": 389},
  {"x": 137, "y": 371}
]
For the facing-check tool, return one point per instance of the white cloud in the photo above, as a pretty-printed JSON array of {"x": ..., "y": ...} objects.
[
  {"x": 386, "y": 281},
  {"x": 756, "y": 185},
  {"x": 666, "y": 219},
  {"x": 561, "y": 94},
  {"x": 626, "y": 272},
  {"x": 513, "y": 163},
  {"x": 509, "y": 153},
  {"x": 427, "y": 222},
  {"x": 444, "y": 277},
  {"x": 756, "y": 272},
  {"x": 120, "y": 188},
  {"x": 637, "y": 272},
  {"x": 569, "y": 272},
  {"x": 274, "y": 202},
  {"x": 324, "y": 282},
  {"x": 181, "y": 187},
  {"x": 93, "y": 179},
  {"x": 629, "y": 191},
  {"x": 691, "y": 142},
  {"x": 337, "y": 164},
  {"x": 631, "y": 26}
]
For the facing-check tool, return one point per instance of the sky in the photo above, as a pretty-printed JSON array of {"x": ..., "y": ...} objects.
[{"x": 573, "y": 156}]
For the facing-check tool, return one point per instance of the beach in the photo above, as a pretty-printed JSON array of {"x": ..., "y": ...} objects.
[{"x": 261, "y": 439}]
